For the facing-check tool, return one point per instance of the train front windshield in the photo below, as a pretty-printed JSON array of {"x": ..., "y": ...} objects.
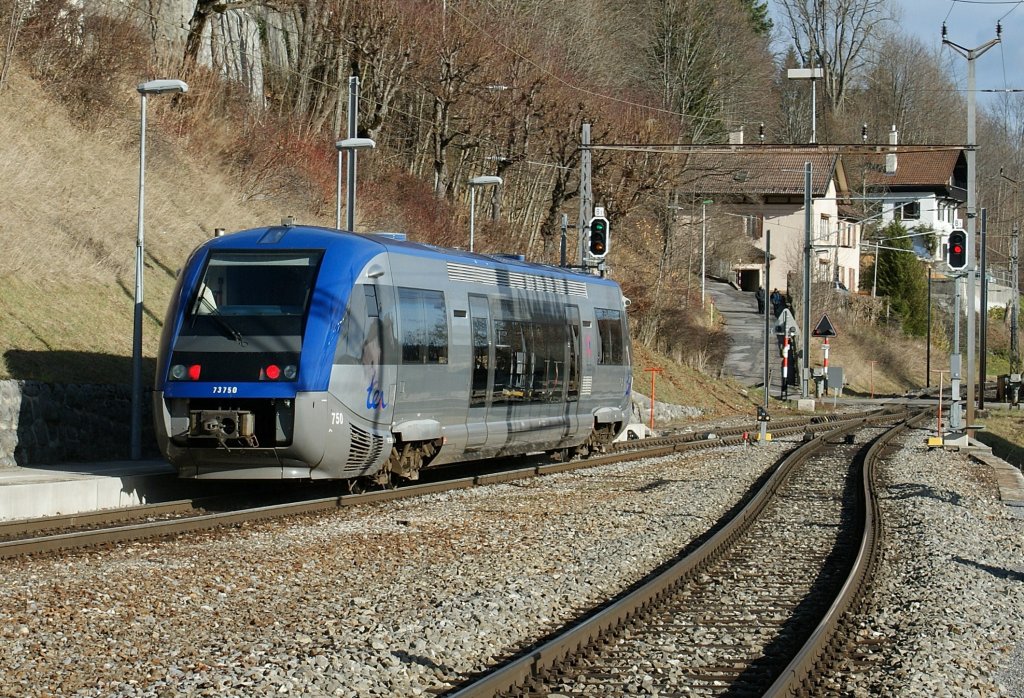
[
  {"x": 248, "y": 313},
  {"x": 255, "y": 284}
]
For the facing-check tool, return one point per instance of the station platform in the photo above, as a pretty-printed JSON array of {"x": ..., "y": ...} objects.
[{"x": 73, "y": 488}]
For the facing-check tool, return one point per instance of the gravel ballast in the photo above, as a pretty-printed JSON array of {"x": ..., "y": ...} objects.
[{"x": 410, "y": 597}]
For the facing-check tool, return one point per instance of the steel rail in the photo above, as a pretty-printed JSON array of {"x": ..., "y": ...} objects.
[
  {"x": 518, "y": 671},
  {"x": 91, "y": 518},
  {"x": 188, "y": 524},
  {"x": 798, "y": 675}
]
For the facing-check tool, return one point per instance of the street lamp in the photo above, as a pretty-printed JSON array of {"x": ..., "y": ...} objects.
[
  {"x": 703, "y": 247},
  {"x": 812, "y": 74},
  {"x": 482, "y": 181},
  {"x": 153, "y": 87},
  {"x": 351, "y": 145}
]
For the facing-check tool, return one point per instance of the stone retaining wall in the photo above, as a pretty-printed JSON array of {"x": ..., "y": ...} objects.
[{"x": 42, "y": 423}]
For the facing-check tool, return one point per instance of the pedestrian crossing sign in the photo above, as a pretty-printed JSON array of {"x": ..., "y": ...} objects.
[{"x": 824, "y": 328}]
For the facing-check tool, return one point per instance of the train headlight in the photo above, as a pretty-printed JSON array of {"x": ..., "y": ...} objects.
[
  {"x": 273, "y": 372},
  {"x": 180, "y": 372}
]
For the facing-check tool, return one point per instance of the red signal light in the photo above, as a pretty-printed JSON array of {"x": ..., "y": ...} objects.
[
  {"x": 273, "y": 372},
  {"x": 956, "y": 256},
  {"x": 194, "y": 370}
]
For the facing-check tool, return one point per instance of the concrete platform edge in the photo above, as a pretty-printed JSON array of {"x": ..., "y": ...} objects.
[
  {"x": 1009, "y": 477},
  {"x": 27, "y": 493}
]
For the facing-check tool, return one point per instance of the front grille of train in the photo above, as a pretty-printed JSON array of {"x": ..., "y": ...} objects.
[{"x": 364, "y": 448}]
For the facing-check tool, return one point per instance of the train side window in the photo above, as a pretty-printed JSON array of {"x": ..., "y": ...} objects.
[
  {"x": 363, "y": 334},
  {"x": 372, "y": 307},
  {"x": 573, "y": 347},
  {"x": 502, "y": 361},
  {"x": 481, "y": 351},
  {"x": 424, "y": 326},
  {"x": 609, "y": 328}
]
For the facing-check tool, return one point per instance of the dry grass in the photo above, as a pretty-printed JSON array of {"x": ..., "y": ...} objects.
[
  {"x": 684, "y": 385},
  {"x": 70, "y": 197},
  {"x": 875, "y": 359},
  {"x": 1004, "y": 432}
]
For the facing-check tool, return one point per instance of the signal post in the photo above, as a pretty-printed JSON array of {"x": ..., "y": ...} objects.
[{"x": 957, "y": 258}]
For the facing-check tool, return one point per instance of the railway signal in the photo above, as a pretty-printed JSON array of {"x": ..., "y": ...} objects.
[
  {"x": 599, "y": 238},
  {"x": 956, "y": 251}
]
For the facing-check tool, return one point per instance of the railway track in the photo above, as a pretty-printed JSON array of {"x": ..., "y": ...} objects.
[
  {"x": 749, "y": 612},
  {"x": 50, "y": 534}
]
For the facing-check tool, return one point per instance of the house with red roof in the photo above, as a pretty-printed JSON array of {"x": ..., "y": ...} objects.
[
  {"x": 925, "y": 190},
  {"x": 763, "y": 190}
]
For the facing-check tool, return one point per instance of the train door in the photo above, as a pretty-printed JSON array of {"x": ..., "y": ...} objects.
[
  {"x": 572, "y": 377},
  {"x": 481, "y": 375}
]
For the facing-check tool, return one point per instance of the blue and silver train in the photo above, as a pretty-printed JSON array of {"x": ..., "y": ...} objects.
[{"x": 300, "y": 352}]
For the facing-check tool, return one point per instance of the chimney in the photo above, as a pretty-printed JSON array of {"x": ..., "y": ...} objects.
[{"x": 890, "y": 158}]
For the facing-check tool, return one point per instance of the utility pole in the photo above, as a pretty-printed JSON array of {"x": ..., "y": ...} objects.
[
  {"x": 1015, "y": 297},
  {"x": 983, "y": 330},
  {"x": 353, "y": 129},
  {"x": 1014, "y": 279},
  {"x": 762, "y": 412},
  {"x": 767, "y": 314},
  {"x": 971, "y": 55},
  {"x": 805, "y": 369},
  {"x": 586, "y": 193}
]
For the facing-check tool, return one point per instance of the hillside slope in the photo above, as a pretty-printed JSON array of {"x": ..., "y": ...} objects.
[
  {"x": 67, "y": 273},
  {"x": 70, "y": 195}
]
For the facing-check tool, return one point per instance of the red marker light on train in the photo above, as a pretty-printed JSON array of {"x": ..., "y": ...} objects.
[
  {"x": 273, "y": 372},
  {"x": 194, "y": 370}
]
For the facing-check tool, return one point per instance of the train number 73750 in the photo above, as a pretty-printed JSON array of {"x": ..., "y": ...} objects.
[{"x": 225, "y": 389}]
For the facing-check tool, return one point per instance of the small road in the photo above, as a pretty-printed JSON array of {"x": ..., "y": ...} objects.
[{"x": 745, "y": 327}]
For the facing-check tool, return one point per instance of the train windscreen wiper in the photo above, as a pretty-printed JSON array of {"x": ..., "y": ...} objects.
[{"x": 214, "y": 313}]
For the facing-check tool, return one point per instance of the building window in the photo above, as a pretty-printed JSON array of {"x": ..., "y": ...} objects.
[{"x": 908, "y": 211}]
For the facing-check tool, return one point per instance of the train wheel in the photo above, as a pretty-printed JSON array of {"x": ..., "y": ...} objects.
[{"x": 564, "y": 455}]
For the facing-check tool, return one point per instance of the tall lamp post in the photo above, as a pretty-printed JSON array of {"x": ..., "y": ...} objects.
[
  {"x": 153, "y": 87},
  {"x": 812, "y": 74},
  {"x": 703, "y": 247},
  {"x": 351, "y": 145},
  {"x": 482, "y": 181}
]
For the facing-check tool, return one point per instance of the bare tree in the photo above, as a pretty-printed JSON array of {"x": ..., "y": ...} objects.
[
  {"x": 835, "y": 35},
  {"x": 201, "y": 14},
  {"x": 16, "y": 16},
  {"x": 905, "y": 86}
]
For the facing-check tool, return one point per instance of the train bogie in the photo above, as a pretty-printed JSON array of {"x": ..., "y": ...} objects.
[{"x": 299, "y": 352}]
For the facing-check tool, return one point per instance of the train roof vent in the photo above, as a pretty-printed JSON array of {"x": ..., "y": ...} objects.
[
  {"x": 401, "y": 237},
  {"x": 513, "y": 257},
  {"x": 506, "y": 277}
]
